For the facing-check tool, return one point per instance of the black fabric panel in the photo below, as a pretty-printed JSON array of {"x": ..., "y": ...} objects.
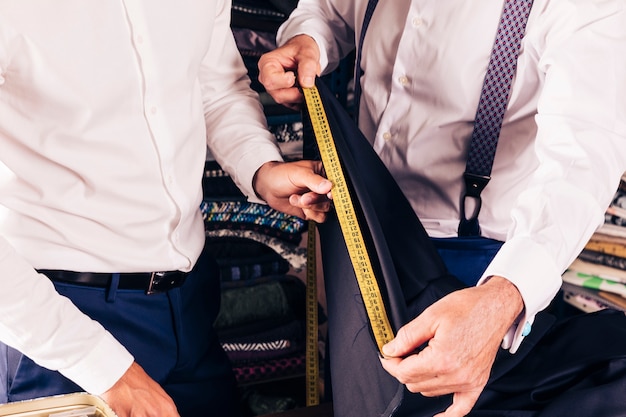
[
  {"x": 576, "y": 367},
  {"x": 405, "y": 263}
]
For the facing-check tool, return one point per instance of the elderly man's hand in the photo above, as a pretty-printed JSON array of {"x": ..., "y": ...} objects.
[{"x": 464, "y": 331}]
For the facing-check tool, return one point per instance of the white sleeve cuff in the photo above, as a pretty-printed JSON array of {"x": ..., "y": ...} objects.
[
  {"x": 102, "y": 367},
  {"x": 526, "y": 264}
]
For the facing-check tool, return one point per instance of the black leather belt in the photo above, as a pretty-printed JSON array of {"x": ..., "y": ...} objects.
[{"x": 150, "y": 282}]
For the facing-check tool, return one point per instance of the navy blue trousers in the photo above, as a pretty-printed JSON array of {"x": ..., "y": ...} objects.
[
  {"x": 467, "y": 257},
  {"x": 170, "y": 335}
]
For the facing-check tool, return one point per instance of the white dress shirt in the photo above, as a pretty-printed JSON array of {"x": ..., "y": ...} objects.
[
  {"x": 562, "y": 148},
  {"x": 106, "y": 110}
]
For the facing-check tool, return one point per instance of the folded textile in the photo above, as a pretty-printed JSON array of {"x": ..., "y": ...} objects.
[
  {"x": 257, "y": 281},
  {"x": 218, "y": 185},
  {"x": 295, "y": 255},
  {"x": 252, "y": 214},
  {"x": 253, "y": 42},
  {"x": 257, "y": 15},
  {"x": 291, "y": 238},
  {"x": 251, "y": 270},
  {"x": 237, "y": 248},
  {"x": 275, "y": 342},
  {"x": 243, "y": 259},
  {"x": 261, "y": 404},
  {"x": 271, "y": 369},
  {"x": 271, "y": 300},
  {"x": 246, "y": 212},
  {"x": 290, "y": 139}
]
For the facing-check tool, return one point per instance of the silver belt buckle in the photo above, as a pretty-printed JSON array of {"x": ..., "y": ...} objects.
[{"x": 155, "y": 280}]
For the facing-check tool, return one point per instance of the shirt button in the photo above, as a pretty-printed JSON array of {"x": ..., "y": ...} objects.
[
  {"x": 153, "y": 110},
  {"x": 417, "y": 22},
  {"x": 403, "y": 80},
  {"x": 387, "y": 136}
]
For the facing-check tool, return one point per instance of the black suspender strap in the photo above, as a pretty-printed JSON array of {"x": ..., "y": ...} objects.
[
  {"x": 492, "y": 104},
  {"x": 491, "y": 107},
  {"x": 358, "y": 71}
]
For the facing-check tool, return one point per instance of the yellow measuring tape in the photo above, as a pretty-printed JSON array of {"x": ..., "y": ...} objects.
[
  {"x": 346, "y": 214},
  {"x": 312, "y": 328}
]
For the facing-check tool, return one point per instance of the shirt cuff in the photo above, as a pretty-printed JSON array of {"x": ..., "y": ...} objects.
[
  {"x": 102, "y": 367},
  {"x": 248, "y": 165},
  {"x": 527, "y": 265}
]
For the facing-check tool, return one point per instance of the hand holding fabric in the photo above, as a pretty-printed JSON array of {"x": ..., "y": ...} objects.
[
  {"x": 464, "y": 331},
  {"x": 278, "y": 69},
  {"x": 295, "y": 188},
  {"x": 135, "y": 394}
]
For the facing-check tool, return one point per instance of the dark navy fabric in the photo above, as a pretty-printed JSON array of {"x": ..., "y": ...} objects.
[
  {"x": 170, "y": 335},
  {"x": 467, "y": 257},
  {"x": 574, "y": 367}
]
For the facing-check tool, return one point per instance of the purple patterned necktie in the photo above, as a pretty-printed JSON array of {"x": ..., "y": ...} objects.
[{"x": 491, "y": 107}]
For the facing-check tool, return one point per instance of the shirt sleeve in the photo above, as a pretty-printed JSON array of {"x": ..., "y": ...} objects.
[
  {"x": 237, "y": 132},
  {"x": 581, "y": 146},
  {"x": 43, "y": 325},
  {"x": 330, "y": 23}
]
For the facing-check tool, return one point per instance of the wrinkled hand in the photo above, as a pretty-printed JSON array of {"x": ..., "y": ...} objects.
[
  {"x": 278, "y": 69},
  {"x": 464, "y": 331},
  {"x": 295, "y": 188},
  {"x": 138, "y": 395}
]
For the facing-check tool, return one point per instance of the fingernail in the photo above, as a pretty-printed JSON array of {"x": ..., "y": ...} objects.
[
  {"x": 389, "y": 349},
  {"x": 308, "y": 81}
]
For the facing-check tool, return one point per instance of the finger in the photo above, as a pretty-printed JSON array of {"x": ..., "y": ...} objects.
[
  {"x": 308, "y": 179},
  {"x": 310, "y": 201},
  {"x": 308, "y": 69},
  {"x": 288, "y": 97},
  {"x": 415, "y": 371},
  {"x": 462, "y": 404},
  {"x": 273, "y": 76},
  {"x": 280, "y": 84},
  {"x": 391, "y": 365},
  {"x": 409, "y": 338},
  {"x": 316, "y": 216}
]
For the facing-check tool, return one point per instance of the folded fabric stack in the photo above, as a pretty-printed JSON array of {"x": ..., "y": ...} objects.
[
  {"x": 262, "y": 258},
  {"x": 260, "y": 251},
  {"x": 262, "y": 329},
  {"x": 262, "y": 315},
  {"x": 596, "y": 279}
]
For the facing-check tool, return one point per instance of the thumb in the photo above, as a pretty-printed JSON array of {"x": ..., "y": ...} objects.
[
  {"x": 308, "y": 68},
  {"x": 409, "y": 339},
  {"x": 322, "y": 186},
  {"x": 310, "y": 179}
]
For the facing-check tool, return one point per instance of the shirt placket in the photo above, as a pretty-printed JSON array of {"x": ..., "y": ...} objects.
[{"x": 156, "y": 119}]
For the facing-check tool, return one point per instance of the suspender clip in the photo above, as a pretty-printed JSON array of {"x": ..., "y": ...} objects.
[{"x": 474, "y": 185}]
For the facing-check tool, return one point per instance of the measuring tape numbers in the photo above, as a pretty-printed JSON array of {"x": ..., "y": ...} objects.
[
  {"x": 346, "y": 214},
  {"x": 312, "y": 328}
]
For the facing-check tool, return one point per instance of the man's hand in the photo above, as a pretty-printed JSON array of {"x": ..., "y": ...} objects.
[
  {"x": 138, "y": 395},
  {"x": 278, "y": 69},
  {"x": 464, "y": 331},
  {"x": 295, "y": 188}
]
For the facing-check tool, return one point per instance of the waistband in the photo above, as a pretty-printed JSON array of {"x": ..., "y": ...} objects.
[{"x": 150, "y": 282}]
